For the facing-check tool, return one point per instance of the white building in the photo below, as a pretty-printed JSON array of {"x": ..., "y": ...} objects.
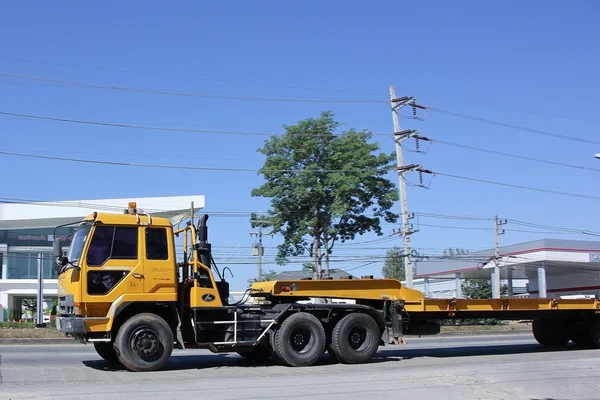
[
  {"x": 26, "y": 231},
  {"x": 541, "y": 268}
]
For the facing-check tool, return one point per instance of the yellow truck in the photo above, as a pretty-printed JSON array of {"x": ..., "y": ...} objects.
[{"x": 122, "y": 288}]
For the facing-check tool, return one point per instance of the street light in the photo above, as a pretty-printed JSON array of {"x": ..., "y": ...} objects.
[{"x": 597, "y": 155}]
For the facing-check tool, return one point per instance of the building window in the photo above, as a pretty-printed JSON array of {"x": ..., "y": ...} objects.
[
  {"x": 110, "y": 242},
  {"x": 24, "y": 265},
  {"x": 1, "y": 264},
  {"x": 157, "y": 247}
]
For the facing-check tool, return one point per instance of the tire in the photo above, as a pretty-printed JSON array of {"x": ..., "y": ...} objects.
[
  {"x": 144, "y": 343},
  {"x": 551, "y": 332},
  {"x": 260, "y": 353},
  {"x": 594, "y": 333},
  {"x": 106, "y": 350},
  {"x": 299, "y": 341},
  {"x": 581, "y": 334},
  {"x": 355, "y": 338}
]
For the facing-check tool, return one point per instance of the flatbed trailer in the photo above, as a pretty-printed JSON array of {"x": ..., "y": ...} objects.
[
  {"x": 122, "y": 288},
  {"x": 555, "y": 321}
]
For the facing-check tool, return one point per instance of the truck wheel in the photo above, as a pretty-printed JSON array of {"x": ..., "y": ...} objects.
[
  {"x": 355, "y": 338},
  {"x": 144, "y": 343},
  {"x": 581, "y": 334},
  {"x": 551, "y": 332},
  {"x": 594, "y": 333},
  {"x": 106, "y": 350},
  {"x": 300, "y": 341},
  {"x": 260, "y": 353}
]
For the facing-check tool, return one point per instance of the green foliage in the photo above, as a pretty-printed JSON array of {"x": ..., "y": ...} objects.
[
  {"x": 393, "y": 267},
  {"x": 313, "y": 207},
  {"x": 308, "y": 267},
  {"x": 266, "y": 276},
  {"x": 480, "y": 288},
  {"x": 477, "y": 289}
]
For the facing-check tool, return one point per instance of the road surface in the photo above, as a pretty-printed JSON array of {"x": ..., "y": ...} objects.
[{"x": 473, "y": 367}]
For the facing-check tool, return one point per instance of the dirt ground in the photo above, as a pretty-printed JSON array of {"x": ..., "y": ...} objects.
[{"x": 29, "y": 333}]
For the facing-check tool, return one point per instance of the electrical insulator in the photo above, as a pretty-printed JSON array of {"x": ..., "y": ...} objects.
[
  {"x": 420, "y": 178},
  {"x": 417, "y": 143},
  {"x": 414, "y": 111}
]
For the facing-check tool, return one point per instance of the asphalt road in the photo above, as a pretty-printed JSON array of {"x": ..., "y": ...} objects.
[{"x": 473, "y": 367}]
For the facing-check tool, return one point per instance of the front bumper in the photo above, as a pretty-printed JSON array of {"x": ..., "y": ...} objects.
[{"x": 71, "y": 325}]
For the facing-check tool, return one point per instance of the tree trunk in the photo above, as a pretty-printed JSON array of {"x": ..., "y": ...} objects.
[
  {"x": 315, "y": 252},
  {"x": 326, "y": 257}
]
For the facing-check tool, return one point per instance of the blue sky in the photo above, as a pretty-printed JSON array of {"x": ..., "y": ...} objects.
[{"x": 532, "y": 64}]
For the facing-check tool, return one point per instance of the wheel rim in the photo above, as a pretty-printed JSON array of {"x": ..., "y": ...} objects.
[
  {"x": 359, "y": 337},
  {"x": 146, "y": 344},
  {"x": 302, "y": 339}
]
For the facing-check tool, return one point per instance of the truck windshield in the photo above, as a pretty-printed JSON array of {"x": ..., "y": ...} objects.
[{"x": 78, "y": 242}]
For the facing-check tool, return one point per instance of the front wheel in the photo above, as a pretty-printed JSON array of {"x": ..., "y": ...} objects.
[
  {"x": 106, "y": 350},
  {"x": 144, "y": 343},
  {"x": 300, "y": 341},
  {"x": 355, "y": 338}
]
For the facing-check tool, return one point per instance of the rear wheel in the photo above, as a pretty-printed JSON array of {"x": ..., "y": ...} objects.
[
  {"x": 355, "y": 338},
  {"x": 261, "y": 352},
  {"x": 144, "y": 343},
  {"x": 300, "y": 341},
  {"x": 106, "y": 350},
  {"x": 551, "y": 332},
  {"x": 594, "y": 333}
]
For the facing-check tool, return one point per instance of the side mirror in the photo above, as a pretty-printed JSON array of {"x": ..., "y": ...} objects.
[{"x": 57, "y": 253}]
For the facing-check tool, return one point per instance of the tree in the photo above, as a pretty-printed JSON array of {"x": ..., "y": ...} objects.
[
  {"x": 393, "y": 267},
  {"x": 266, "y": 276},
  {"x": 480, "y": 288},
  {"x": 322, "y": 186}
]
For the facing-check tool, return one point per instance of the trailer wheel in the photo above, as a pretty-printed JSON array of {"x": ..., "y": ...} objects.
[
  {"x": 355, "y": 338},
  {"x": 594, "y": 333},
  {"x": 300, "y": 341},
  {"x": 144, "y": 343},
  {"x": 551, "y": 332},
  {"x": 106, "y": 350}
]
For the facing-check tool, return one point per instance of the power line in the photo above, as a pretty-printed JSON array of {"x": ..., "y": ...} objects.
[
  {"x": 207, "y": 79},
  {"x": 446, "y": 216},
  {"x": 182, "y": 167},
  {"x": 132, "y": 126},
  {"x": 152, "y": 127},
  {"x": 584, "y": 196},
  {"x": 188, "y": 94},
  {"x": 511, "y": 126},
  {"x": 463, "y": 146}
]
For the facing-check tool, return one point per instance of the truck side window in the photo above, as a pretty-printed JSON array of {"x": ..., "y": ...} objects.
[
  {"x": 112, "y": 242},
  {"x": 157, "y": 247}
]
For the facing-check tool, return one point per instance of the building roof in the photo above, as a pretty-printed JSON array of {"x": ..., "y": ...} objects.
[
  {"x": 53, "y": 213},
  {"x": 567, "y": 253}
]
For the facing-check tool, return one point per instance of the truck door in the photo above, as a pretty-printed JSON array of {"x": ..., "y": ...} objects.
[
  {"x": 159, "y": 260},
  {"x": 114, "y": 266}
]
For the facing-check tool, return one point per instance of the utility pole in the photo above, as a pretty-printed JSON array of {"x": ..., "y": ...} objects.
[
  {"x": 40, "y": 293},
  {"x": 258, "y": 249},
  {"x": 496, "y": 268},
  {"x": 399, "y": 135}
]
